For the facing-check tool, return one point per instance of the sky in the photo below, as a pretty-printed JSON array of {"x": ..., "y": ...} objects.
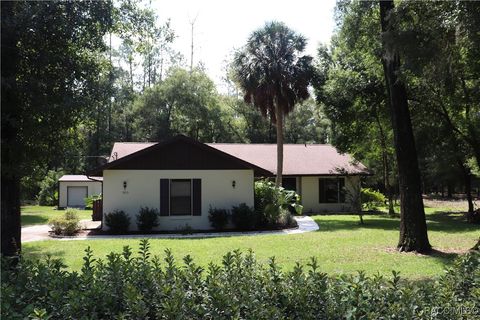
[{"x": 221, "y": 26}]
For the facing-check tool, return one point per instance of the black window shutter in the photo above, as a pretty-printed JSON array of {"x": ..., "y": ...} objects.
[
  {"x": 341, "y": 189},
  {"x": 164, "y": 197},
  {"x": 197, "y": 197},
  {"x": 321, "y": 191}
]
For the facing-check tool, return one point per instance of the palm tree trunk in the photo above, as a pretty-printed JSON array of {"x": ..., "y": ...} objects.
[
  {"x": 279, "y": 124},
  {"x": 413, "y": 226}
]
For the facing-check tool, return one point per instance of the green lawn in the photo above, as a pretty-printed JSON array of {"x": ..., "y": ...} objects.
[
  {"x": 341, "y": 245},
  {"x": 41, "y": 214}
]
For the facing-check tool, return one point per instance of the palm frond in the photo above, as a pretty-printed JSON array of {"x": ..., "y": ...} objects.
[{"x": 271, "y": 66}]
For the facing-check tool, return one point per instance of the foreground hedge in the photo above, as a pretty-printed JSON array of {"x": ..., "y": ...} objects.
[{"x": 145, "y": 287}]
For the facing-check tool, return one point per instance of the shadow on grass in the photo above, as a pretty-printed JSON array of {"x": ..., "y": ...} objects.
[
  {"x": 30, "y": 219},
  {"x": 329, "y": 223},
  {"x": 448, "y": 222},
  {"x": 446, "y": 258},
  {"x": 39, "y": 253}
]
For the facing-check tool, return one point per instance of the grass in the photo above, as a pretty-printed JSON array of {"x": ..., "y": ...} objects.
[
  {"x": 341, "y": 245},
  {"x": 32, "y": 215}
]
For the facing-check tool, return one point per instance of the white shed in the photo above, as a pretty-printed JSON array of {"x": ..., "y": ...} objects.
[{"x": 73, "y": 189}]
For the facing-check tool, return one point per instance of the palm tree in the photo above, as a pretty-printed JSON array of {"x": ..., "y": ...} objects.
[{"x": 274, "y": 75}]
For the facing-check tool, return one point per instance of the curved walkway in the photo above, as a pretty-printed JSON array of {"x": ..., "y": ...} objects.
[{"x": 40, "y": 232}]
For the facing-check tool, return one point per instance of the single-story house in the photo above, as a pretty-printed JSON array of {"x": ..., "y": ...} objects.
[
  {"x": 183, "y": 178},
  {"x": 73, "y": 189}
]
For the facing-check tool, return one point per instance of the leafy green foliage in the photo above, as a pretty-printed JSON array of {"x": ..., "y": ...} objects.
[
  {"x": 274, "y": 75},
  {"x": 53, "y": 75},
  {"x": 51, "y": 65},
  {"x": 273, "y": 204},
  {"x": 48, "y": 194},
  {"x": 118, "y": 221},
  {"x": 128, "y": 285},
  {"x": 371, "y": 199},
  {"x": 68, "y": 225},
  {"x": 218, "y": 218},
  {"x": 90, "y": 199},
  {"x": 437, "y": 45},
  {"x": 307, "y": 123},
  {"x": 244, "y": 217},
  {"x": 186, "y": 103},
  {"x": 271, "y": 70},
  {"x": 351, "y": 88},
  {"x": 147, "y": 219}
]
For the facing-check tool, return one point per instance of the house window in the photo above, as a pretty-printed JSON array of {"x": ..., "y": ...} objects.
[
  {"x": 180, "y": 197},
  {"x": 290, "y": 183},
  {"x": 331, "y": 190}
]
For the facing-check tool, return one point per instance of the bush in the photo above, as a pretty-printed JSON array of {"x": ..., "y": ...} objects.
[
  {"x": 48, "y": 194},
  {"x": 89, "y": 200},
  {"x": 218, "y": 218},
  {"x": 127, "y": 286},
  {"x": 272, "y": 203},
  {"x": 71, "y": 214},
  {"x": 244, "y": 217},
  {"x": 147, "y": 219},
  {"x": 67, "y": 225},
  {"x": 118, "y": 221},
  {"x": 371, "y": 199},
  {"x": 286, "y": 219}
]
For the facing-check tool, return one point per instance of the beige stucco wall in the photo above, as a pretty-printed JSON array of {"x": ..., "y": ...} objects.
[
  {"x": 94, "y": 188},
  {"x": 309, "y": 192},
  {"x": 143, "y": 190}
]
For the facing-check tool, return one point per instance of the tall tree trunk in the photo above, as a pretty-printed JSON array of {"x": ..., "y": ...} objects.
[
  {"x": 149, "y": 69},
  {"x": 388, "y": 187},
  {"x": 476, "y": 247},
  {"x": 161, "y": 63},
  {"x": 413, "y": 227},
  {"x": 11, "y": 147},
  {"x": 449, "y": 190},
  {"x": 386, "y": 167},
  {"x": 467, "y": 180},
  {"x": 279, "y": 125},
  {"x": 110, "y": 90},
  {"x": 468, "y": 191},
  {"x": 476, "y": 152},
  {"x": 11, "y": 230},
  {"x": 130, "y": 64}
]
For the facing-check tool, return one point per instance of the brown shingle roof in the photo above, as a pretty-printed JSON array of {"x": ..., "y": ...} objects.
[
  {"x": 177, "y": 153},
  {"x": 298, "y": 159},
  {"x": 122, "y": 149}
]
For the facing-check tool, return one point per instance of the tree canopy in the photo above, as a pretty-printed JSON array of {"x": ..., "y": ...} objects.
[{"x": 274, "y": 75}]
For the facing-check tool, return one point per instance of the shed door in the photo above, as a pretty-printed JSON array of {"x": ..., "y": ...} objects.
[{"x": 76, "y": 196}]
